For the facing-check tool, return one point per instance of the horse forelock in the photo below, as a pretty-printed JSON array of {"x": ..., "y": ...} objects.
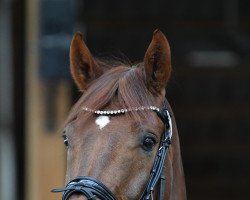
[{"x": 121, "y": 86}]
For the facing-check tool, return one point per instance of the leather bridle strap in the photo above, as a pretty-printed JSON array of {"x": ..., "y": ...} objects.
[
  {"x": 157, "y": 172},
  {"x": 88, "y": 186}
]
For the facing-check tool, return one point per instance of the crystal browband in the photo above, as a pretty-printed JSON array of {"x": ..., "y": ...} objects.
[{"x": 120, "y": 111}]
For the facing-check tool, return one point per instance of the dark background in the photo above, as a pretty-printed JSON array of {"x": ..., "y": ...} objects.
[{"x": 210, "y": 86}]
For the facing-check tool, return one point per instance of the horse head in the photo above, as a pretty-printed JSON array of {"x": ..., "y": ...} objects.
[{"x": 113, "y": 132}]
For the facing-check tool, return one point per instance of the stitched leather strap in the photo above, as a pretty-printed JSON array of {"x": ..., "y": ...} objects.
[
  {"x": 90, "y": 187},
  {"x": 157, "y": 171}
]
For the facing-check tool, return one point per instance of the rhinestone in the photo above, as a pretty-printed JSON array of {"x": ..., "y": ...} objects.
[{"x": 124, "y": 110}]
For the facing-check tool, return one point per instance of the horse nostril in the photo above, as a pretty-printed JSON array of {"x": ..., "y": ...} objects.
[{"x": 78, "y": 197}]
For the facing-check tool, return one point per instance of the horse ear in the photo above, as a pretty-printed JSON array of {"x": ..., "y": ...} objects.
[
  {"x": 83, "y": 67},
  {"x": 157, "y": 62}
]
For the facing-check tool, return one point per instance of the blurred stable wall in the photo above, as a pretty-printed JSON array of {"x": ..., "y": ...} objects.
[{"x": 49, "y": 28}]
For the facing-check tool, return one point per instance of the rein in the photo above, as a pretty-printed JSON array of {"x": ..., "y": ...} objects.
[{"x": 93, "y": 189}]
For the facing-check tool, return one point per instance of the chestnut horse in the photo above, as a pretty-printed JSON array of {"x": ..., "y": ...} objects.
[{"x": 118, "y": 133}]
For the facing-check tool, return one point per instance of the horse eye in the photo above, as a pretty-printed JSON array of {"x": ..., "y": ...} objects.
[
  {"x": 65, "y": 140},
  {"x": 149, "y": 143}
]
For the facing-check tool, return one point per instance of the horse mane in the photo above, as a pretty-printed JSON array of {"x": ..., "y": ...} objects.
[{"x": 121, "y": 86}]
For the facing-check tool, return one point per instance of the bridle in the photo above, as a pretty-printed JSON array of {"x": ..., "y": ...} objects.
[{"x": 93, "y": 188}]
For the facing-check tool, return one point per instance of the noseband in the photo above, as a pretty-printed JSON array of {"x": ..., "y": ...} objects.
[
  {"x": 93, "y": 189},
  {"x": 88, "y": 186}
]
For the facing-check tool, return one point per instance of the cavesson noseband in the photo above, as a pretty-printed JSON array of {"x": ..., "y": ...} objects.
[{"x": 93, "y": 189}]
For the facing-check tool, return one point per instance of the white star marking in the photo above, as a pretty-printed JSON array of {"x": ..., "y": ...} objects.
[{"x": 102, "y": 121}]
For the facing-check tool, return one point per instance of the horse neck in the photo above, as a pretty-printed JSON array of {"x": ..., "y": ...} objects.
[{"x": 175, "y": 181}]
